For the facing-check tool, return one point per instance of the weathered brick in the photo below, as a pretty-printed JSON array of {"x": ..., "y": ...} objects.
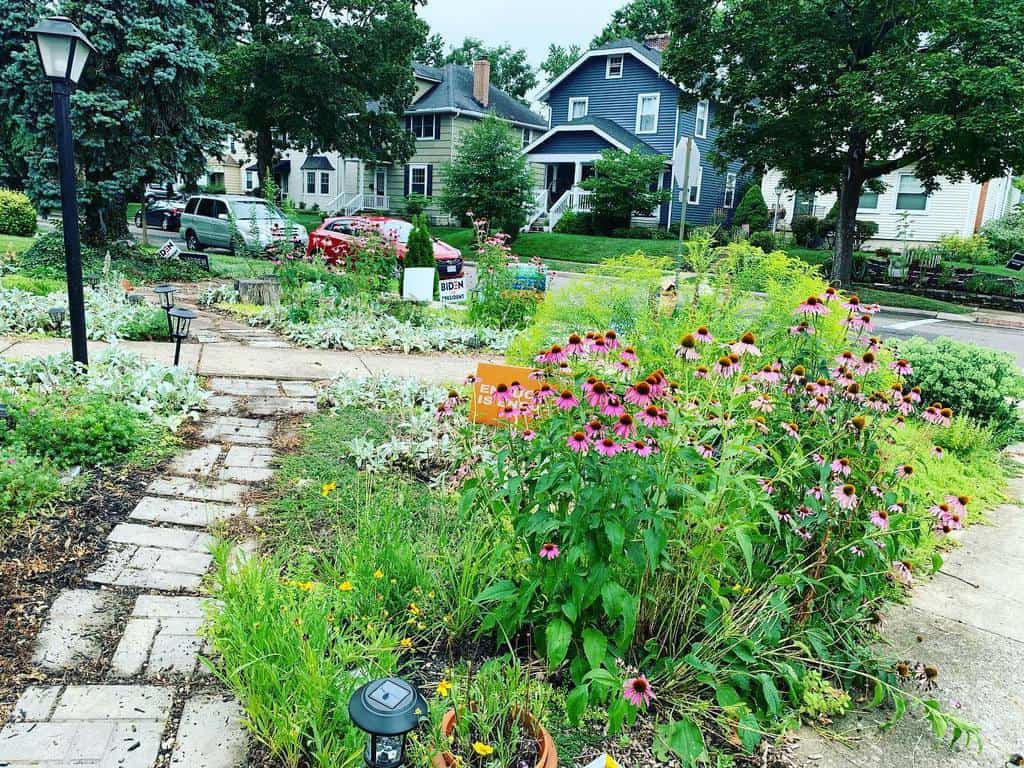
[
  {"x": 198, "y": 461},
  {"x": 71, "y": 635},
  {"x": 181, "y": 512},
  {"x": 182, "y": 487}
]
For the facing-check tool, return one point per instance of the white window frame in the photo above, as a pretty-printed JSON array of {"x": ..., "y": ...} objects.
[
  {"x": 640, "y": 97},
  {"x": 412, "y": 179},
  {"x": 434, "y": 127},
  {"x": 729, "y": 198},
  {"x": 527, "y": 137},
  {"x": 608, "y": 75},
  {"x": 896, "y": 196},
  {"x": 691, "y": 199},
  {"x": 877, "y": 201},
  {"x": 250, "y": 179},
  {"x": 325, "y": 176},
  {"x": 701, "y": 131},
  {"x": 310, "y": 182},
  {"x": 577, "y": 99}
]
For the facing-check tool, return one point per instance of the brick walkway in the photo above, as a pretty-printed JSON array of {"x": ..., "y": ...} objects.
[{"x": 156, "y": 703}]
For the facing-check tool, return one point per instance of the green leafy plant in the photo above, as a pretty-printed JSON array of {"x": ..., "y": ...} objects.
[
  {"x": 763, "y": 240},
  {"x": 17, "y": 214},
  {"x": 495, "y": 302},
  {"x": 752, "y": 210},
  {"x": 1005, "y": 235},
  {"x": 624, "y": 184},
  {"x": 971, "y": 250},
  {"x": 415, "y": 204}
]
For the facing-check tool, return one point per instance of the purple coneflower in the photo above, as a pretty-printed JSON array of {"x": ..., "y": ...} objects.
[
  {"x": 852, "y": 303},
  {"x": 549, "y": 551},
  {"x": 766, "y": 485},
  {"x": 705, "y": 450},
  {"x": 611, "y": 339},
  {"x": 868, "y": 363},
  {"x": 816, "y": 492},
  {"x": 746, "y": 345},
  {"x": 845, "y": 496},
  {"x": 703, "y": 335},
  {"x": 625, "y": 426},
  {"x": 575, "y": 345},
  {"x": 880, "y": 518},
  {"x": 901, "y": 569},
  {"x": 904, "y": 470},
  {"x": 857, "y": 551},
  {"x": 594, "y": 428},
  {"x": 791, "y": 428},
  {"x": 637, "y": 691},
  {"x": 529, "y": 435},
  {"x": 502, "y": 394},
  {"x": 567, "y": 400},
  {"x": 687, "y": 348},
  {"x": 762, "y": 404},
  {"x": 614, "y": 406},
  {"x": 578, "y": 442},
  {"x": 700, "y": 372},
  {"x": 628, "y": 355},
  {"x": 902, "y": 367},
  {"x": 640, "y": 448},
  {"x": 841, "y": 466},
  {"x": 639, "y": 394},
  {"x": 724, "y": 367},
  {"x": 598, "y": 394},
  {"x": 812, "y": 305},
  {"x": 607, "y": 447}
]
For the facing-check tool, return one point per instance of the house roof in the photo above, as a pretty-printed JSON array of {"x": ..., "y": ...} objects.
[
  {"x": 640, "y": 51},
  {"x": 281, "y": 166},
  {"x": 454, "y": 93},
  {"x": 608, "y": 130},
  {"x": 316, "y": 163}
]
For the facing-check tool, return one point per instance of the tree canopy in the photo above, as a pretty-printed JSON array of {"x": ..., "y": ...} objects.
[
  {"x": 838, "y": 93},
  {"x": 624, "y": 184},
  {"x": 332, "y": 74},
  {"x": 636, "y": 20},
  {"x": 559, "y": 59},
  {"x": 510, "y": 70}
]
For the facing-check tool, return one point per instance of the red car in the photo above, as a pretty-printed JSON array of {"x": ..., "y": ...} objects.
[{"x": 334, "y": 237}]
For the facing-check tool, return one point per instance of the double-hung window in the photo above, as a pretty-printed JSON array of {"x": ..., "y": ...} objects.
[
  {"x": 325, "y": 183},
  {"x": 868, "y": 201},
  {"x": 730, "y": 190},
  {"x": 578, "y": 106},
  {"x": 613, "y": 68},
  {"x": 647, "y": 105},
  {"x": 417, "y": 180},
  {"x": 423, "y": 126},
  {"x": 527, "y": 137},
  {"x": 310, "y": 182},
  {"x": 910, "y": 193},
  {"x": 694, "y": 197},
  {"x": 250, "y": 179},
  {"x": 700, "y": 123}
]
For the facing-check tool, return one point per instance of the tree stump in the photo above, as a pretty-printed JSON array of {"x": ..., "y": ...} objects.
[{"x": 262, "y": 291}]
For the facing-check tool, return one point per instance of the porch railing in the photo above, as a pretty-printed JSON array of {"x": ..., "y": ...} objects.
[
  {"x": 376, "y": 202},
  {"x": 538, "y": 208},
  {"x": 340, "y": 203},
  {"x": 354, "y": 204},
  {"x": 575, "y": 200}
]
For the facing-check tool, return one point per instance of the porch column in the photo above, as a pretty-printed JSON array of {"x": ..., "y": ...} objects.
[{"x": 577, "y": 173}]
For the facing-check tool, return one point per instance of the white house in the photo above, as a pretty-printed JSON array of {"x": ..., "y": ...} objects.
[{"x": 959, "y": 208}]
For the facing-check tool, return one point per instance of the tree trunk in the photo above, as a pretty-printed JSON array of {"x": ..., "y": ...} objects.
[
  {"x": 105, "y": 220},
  {"x": 264, "y": 157},
  {"x": 846, "y": 226}
]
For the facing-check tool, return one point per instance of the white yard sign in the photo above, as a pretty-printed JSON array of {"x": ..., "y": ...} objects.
[
  {"x": 453, "y": 290},
  {"x": 168, "y": 250}
]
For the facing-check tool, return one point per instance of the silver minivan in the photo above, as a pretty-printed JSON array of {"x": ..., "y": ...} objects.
[{"x": 208, "y": 221}]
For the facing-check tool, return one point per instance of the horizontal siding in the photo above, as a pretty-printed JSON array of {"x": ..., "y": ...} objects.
[
  {"x": 950, "y": 210},
  {"x": 432, "y": 152},
  {"x": 572, "y": 143}
]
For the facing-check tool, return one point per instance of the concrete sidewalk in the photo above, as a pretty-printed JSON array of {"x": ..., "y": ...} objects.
[
  {"x": 968, "y": 621},
  {"x": 235, "y": 359}
]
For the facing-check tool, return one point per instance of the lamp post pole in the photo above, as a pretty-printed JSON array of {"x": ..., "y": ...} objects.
[{"x": 69, "y": 213}]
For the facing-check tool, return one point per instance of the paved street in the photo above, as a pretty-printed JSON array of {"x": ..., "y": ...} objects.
[{"x": 895, "y": 324}]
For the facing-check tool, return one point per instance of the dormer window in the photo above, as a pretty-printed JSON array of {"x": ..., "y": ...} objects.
[{"x": 613, "y": 68}]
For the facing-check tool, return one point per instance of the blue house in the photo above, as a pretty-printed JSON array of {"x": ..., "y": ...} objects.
[{"x": 615, "y": 96}]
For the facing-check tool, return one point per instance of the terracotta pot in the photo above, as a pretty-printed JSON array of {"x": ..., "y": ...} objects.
[{"x": 548, "y": 752}]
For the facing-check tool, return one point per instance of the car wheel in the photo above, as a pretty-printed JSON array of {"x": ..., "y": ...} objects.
[
  {"x": 192, "y": 242},
  {"x": 150, "y": 199}
]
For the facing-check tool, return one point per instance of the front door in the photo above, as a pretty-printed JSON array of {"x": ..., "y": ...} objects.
[{"x": 560, "y": 178}]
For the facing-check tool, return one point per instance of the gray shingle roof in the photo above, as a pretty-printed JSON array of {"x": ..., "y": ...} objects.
[
  {"x": 454, "y": 91},
  {"x": 651, "y": 54},
  {"x": 317, "y": 163}
]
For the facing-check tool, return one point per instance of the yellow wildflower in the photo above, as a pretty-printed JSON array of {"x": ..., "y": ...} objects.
[
  {"x": 306, "y": 586},
  {"x": 406, "y": 642},
  {"x": 378, "y": 574},
  {"x": 326, "y": 488},
  {"x": 414, "y": 609},
  {"x": 482, "y": 749},
  {"x": 346, "y": 586},
  {"x": 444, "y": 688}
]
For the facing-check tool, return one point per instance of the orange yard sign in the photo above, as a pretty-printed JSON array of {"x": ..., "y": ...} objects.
[{"x": 483, "y": 409}]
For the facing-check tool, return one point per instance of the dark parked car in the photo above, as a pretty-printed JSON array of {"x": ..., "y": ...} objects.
[
  {"x": 162, "y": 191},
  {"x": 162, "y": 214}
]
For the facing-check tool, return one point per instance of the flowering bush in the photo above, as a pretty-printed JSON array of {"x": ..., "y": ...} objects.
[
  {"x": 694, "y": 519},
  {"x": 495, "y": 302}
]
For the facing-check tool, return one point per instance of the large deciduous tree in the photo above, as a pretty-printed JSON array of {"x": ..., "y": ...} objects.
[
  {"x": 636, "y": 20},
  {"x": 559, "y": 59},
  {"x": 489, "y": 176},
  {"x": 838, "y": 93},
  {"x": 510, "y": 71},
  {"x": 138, "y": 113},
  {"x": 335, "y": 75}
]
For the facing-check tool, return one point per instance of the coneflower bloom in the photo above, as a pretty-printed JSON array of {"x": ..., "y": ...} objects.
[
  {"x": 766, "y": 485},
  {"x": 769, "y": 374},
  {"x": 705, "y": 450},
  {"x": 598, "y": 345},
  {"x": 819, "y": 459},
  {"x": 819, "y": 404},
  {"x": 803, "y": 511},
  {"x": 549, "y": 551},
  {"x": 637, "y": 691},
  {"x": 628, "y": 355},
  {"x": 791, "y": 428},
  {"x": 845, "y": 496},
  {"x": 567, "y": 400},
  {"x": 856, "y": 551},
  {"x": 509, "y": 413},
  {"x": 687, "y": 348},
  {"x": 649, "y": 415},
  {"x": 958, "y": 503},
  {"x": 588, "y": 384},
  {"x": 598, "y": 394},
  {"x": 594, "y": 428},
  {"x": 703, "y": 335},
  {"x": 529, "y": 435},
  {"x": 846, "y": 358},
  {"x": 700, "y": 372},
  {"x": 556, "y": 354},
  {"x": 801, "y": 328},
  {"x": 622, "y": 366},
  {"x": 902, "y": 367},
  {"x": 607, "y": 447},
  {"x": 852, "y": 303},
  {"x": 812, "y": 305},
  {"x": 906, "y": 406},
  {"x": 904, "y": 470},
  {"x": 575, "y": 345},
  {"x": 502, "y": 394},
  {"x": 611, "y": 339},
  {"x": 880, "y": 518},
  {"x": 639, "y": 394},
  {"x": 625, "y": 426},
  {"x": 724, "y": 367},
  {"x": 579, "y": 442},
  {"x": 544, "y": 392},
  {"x": 784, "y": 515},
  {"x": 841, "y": 466},
  {"x": 746, "y": 345},
  {"x": 762, "y": 404},
  {"x": 614, "y": 406},
  {"x": 804, "y": 534},
  {"x": 899, "y": 422},
  {"x": 469, "y": 378},
  {"x": 828, "y": 294},
  {"x": 640, "y": 448},
  {"x": 443, "y": 410},
  {"x": 760, "y": 425},
  {"x": 901, "y": 569},
  {"x": 868, "y": 363}
]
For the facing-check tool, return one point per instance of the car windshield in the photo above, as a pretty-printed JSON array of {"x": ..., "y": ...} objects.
[
  {"x": 255, "y": 209},
  {"x": 397, "y": 229}
]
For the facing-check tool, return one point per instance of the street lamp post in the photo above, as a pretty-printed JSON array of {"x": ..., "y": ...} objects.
[
  {"x": 778, "y": 206},
  {"x": 63, "y": 51}
]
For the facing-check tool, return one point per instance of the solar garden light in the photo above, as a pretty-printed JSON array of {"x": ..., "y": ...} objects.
[
  {"x": 180, "y": 319},
  {"x": 165, "y": 293},
  {"x": 63, "y": 51},
  {"x": 386, "y": 710},
  {"x": 57, "y": 315}
]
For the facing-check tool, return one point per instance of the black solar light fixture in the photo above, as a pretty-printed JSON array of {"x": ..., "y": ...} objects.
[
  {"x": 387, "y": 710},
  {"x": 180, "y": 320},
  {"x": 166, "y": 293},
  {"x": 92, "y": 280},
  {"x": 134, "y": 299},
  {"x": 57, "y": 315}
]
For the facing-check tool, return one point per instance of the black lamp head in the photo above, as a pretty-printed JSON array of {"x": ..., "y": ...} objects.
[
  {"x": 62, "y": 47},
  {"x": 386, "y": 710},
  {"x": 92, "y": 279},
  {"x": 181, "y": 319},
  {"x": 57, "y": 315},
  {"x": 166, "y": 295}
]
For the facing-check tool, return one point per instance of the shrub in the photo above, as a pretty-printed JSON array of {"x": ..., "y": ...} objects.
[
  {"x": 17, "y": 216},
  {"x": 752, "y": 209},
  {"x": 763, "y": 240},
  {"x": 971, "y": 250},
  {"x": 420, "y": 247},
  {"x": 806, "y": 230},
  {"x": 26, "y": 482},
  {"x": 624, "y": 184},
  {"x": 415, "y": 204},
  {"x": 213, "y": 189},
  {"x": 495, "y": 303},
  {"x": 1005, "y": 235},
  {"x": 973, "y": 381},
  {"x": 573, "y": 223}
]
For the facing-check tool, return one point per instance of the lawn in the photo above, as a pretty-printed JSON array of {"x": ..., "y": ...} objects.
[
  {"x": 910, "y": 301},
  {"x": 309, "y": 219},
  {"x": 14, "y": 244}
]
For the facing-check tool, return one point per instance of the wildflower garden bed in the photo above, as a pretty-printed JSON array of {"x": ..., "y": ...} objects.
[{"x": 677, "y": 545}]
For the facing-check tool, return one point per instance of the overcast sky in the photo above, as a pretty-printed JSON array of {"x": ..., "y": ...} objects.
[{"x": 529, "y": 24}]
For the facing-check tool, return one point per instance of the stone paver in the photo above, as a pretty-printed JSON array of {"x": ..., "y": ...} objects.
[
  {"x": 232, "y": 429},
  {"x": 210, "y": 734},
  {"x": 244, "y": 387},
  {"x": 198, "y": 461},
  {"x": 245, "y": 474},
  {"x": 221, "y": 404},
  {"x": 299, "y": 389},
  {"x": 91, "y": 725},
  {"x": 73, "y": 632},
  {"x": 249, "y": 457},
  {"x": 166, "y": 538},
  {"x": 184, "y": 512},
  {"x": 161, "y": 638},
  {"x": 268, "y": 406},
  {"x": 185, "y": 488},
  {"x": 127, "y": 565}
]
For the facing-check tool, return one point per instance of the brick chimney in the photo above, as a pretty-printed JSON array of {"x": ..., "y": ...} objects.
[
  {"x": 658, "y": 42},
  {"x": 482, "y": 81}
]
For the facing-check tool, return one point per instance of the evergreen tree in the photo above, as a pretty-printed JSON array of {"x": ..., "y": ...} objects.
[
  {"x": 752, "y": 209},
  {"x": 420, "y": 246}
]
